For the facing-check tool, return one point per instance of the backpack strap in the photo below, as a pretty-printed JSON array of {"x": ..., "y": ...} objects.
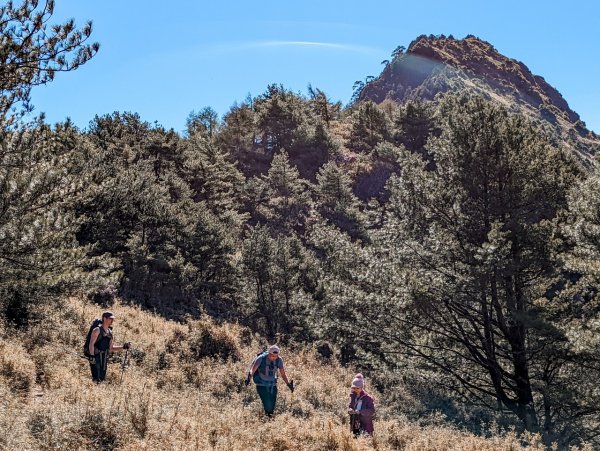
[{"x": 262, "y": 369}]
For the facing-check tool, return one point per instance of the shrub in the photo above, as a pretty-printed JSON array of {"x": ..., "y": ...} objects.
[
  {"x": 99, "y": 432},
  {"x": 17, "y": 370},
  {"x": 208, "y": 340}
]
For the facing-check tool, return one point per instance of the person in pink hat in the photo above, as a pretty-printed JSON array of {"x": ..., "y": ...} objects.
[{"x": 361, "y": 408}]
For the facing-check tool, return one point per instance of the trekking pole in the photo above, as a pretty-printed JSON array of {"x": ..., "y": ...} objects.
[
  {"x": 293, "y": 390},
  {"x": 124, "y": 364}
]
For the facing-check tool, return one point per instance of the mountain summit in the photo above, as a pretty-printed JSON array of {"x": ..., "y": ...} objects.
[{"x": 437, "y": 64}]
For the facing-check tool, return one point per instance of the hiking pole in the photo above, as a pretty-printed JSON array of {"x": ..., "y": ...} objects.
[
  {"x": 292, "y": 389},
  {"x": 124, "y": 364}
]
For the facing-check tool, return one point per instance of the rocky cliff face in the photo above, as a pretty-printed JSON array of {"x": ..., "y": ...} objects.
[{"x": 437, "y": 64}]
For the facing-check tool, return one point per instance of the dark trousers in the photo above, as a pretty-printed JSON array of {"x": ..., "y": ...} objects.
[
  {"x": 99, "y": 366},
  {"x": 268, "y": 396}
]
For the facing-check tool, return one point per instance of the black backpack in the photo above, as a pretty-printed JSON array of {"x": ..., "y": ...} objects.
[{"x": 86, "y": 347}]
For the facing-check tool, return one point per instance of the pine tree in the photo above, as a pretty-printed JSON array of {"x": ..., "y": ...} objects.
[
  {"x": 413, "y": 125},
  {"x": 279, "y": 275},
  {"x": 214, "y": 179},
  {"x": 457, "y": 278},
  {"x": 204, "y": 122},
  {"x": 237, "y": 138},
  {"x": 283, "y": 198},
  {"x": 584, "y": 230},
  {"x": 322, "y": 107},
  {"x": 32, "y": 52},
  {"x": 337, "y": 202},
  {"x": 43, "y": 173},
  {"x": 369, "y": 128},
  {"x": 279, "y": 113}
]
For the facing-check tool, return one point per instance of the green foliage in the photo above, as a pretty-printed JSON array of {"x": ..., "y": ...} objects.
[
  {"x": 279, "y": 274},
  {"x": 237, "y": 137},
  {"x": 166, "y": 209},
  {"x": 456, "y": 278},
  {"x": 369, "y": 127},
  {"x": 32, "y": 51},
  {"x": 213, "y": 178},
  {"x": 337, "y": 202},
  {"x": 584, "y": 229},
  {"x": 413, "y": 125},
  {"x": 322, "y": 107},
  {"x": 43, "y": 173},
  {"x": 279, "y": 113},
  {"x": 204, "y": 122},
  {"x": 282, "y": 197},
  {"x": 475, "y": 269}
]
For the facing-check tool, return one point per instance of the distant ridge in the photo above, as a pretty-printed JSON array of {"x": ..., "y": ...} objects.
[{"x": 437, "y": 64}]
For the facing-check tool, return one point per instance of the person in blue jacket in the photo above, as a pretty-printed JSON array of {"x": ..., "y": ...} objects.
[{"x": 263, "y": 372}]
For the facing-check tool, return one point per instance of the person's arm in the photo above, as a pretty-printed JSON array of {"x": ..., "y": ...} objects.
[
  {"x": 368, "y": 407},
  {"x": 114, "y": 347},
  {"x": 254, "y": 368},
  {"x": 351, "y": 406},
  {"x": 289, "y": 384},
  {"x": 283, "y": 375},
  {"x": 251, "y": 371},
  {"x": 93, "y": 340}
]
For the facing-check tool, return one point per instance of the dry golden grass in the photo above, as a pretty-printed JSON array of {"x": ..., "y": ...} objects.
[{"x": 174, "y": 397}]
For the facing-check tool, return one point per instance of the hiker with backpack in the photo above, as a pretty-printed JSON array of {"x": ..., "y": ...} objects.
[
  {"x": 361, "y": 408},
  {"x": 263, "y": 372},
  {"x": 99, "y": 343}
]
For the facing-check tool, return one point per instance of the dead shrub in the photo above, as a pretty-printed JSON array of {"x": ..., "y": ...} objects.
[
  {"x": 280, "y": 444},
  {"x": 39, "y": 423},
  {"x": 98, "y": 431},
  {"x": 139, "y": 413},
  {"x": 207, "y": 340},
  {"x": 17, "y": 370}
]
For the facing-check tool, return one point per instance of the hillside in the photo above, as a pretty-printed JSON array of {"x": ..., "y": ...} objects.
[
  {"x": 437, "y": 64},
  {"x": 183, "y": 390},
  {"x": 447, "y": 250}
]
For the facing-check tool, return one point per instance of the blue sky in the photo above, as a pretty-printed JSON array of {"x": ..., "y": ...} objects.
[{"x": 163, "y": 59}]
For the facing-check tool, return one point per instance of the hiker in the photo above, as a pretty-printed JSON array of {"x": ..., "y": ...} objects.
[
  {"x": 361, "y": 408},
  {"x": 263, "y": 372},
  {"x": 100, "y": 344}
]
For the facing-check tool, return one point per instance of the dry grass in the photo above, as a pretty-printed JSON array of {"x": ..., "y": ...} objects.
[{"x": 184, "y": 390}]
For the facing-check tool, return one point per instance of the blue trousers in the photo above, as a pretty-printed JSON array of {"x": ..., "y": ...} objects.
[{"x": 268, "y": 396}]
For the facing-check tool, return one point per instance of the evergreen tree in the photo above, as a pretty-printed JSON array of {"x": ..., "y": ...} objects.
[
  {"x": 413, "y": 125},
  {"x": 32, "y": 52},
  {"x": 337, "y": 202},
  {"x": 313, "y": 147},
  {"x": 322, "y": 107},
  {"x": 237, "y": 138},
  {"x": 205, "y": 122},
  {"x": 278, "y": 273},
  {"x": 163, "y": 208},
  {"x": 283, "y": 198},
  {"x": 369, "y": 127},
  {"x": 43, "y": 173},
  {"x": 458, "y": 275},
  {"x": 584, "y": 230},
  {"x": 279, "y": 113},
  {"x": 214, "y": 179}
]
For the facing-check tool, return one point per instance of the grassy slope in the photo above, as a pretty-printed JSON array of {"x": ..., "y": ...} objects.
[{"x": 172, "y": 398}]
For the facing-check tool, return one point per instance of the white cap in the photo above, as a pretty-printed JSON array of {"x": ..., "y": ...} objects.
[{"x": 274, "y": 349}]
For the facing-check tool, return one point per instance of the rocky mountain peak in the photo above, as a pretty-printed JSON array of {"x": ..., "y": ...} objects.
[{"x": 436, "y": 64}]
